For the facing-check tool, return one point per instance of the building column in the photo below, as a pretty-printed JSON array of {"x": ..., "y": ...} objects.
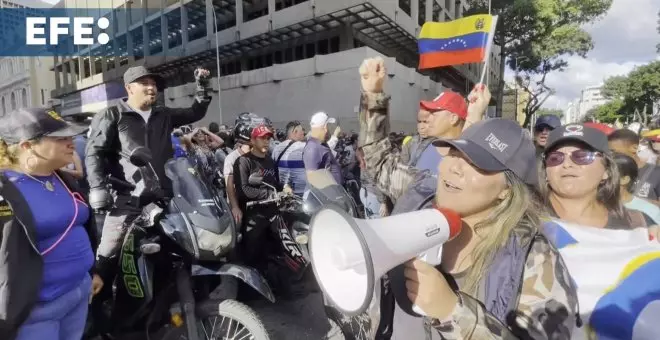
[
  {"x": 271, "y": 7},
  {"x": 414, "y": 11},
  {"x": 239, "y": 12},
  {"x": 184, "y": 26},
  {"x": 164, "y": 33},
  {"x": 429, "y": 9},
  {"x": 346, "y": 37},
  {"x": 210, "y": 22}
]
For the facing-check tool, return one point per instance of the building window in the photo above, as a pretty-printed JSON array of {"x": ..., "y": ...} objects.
[
  {"x": 225, "y": 11},
  {"x": 310, "y": 50},
  {"x": 255, "y": 9},
  {"x": 43, "y": 97},
  {"x": 174, "y": 28},
  {"x": 196, "y": 19},
  {"x": 154, "y": 36},
  {"x": 405, "y": 6},
  {"x": 334, "y": 45},
  {"x": 282, "y": 4},
  {"x": 13, "y": 101},
  {"x": 24, "y": 98},
  {"x": 437, "y": 11},
  {"x": 4, "y": 107},
  {"x": 421, "y": 14}
]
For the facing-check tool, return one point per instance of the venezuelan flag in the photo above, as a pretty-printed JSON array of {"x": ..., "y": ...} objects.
[{"x": 461, "y": 41}]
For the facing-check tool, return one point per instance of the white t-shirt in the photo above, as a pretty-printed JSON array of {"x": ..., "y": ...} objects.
[
  {"x": 229, "y": 163},
  {"x": 145, "y": 114}
]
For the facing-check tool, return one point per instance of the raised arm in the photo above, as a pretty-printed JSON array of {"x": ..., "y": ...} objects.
[
  {"x": 382, "y": 164},
  {"x": 200, "y": 103}
]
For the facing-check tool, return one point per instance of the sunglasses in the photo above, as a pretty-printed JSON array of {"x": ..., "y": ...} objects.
[
  {"x": 579, "y": 157},
  {"x": 542, "y": 128}
]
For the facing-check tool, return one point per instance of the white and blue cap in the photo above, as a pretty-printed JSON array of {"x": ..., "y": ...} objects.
[{"x": 495, "y": 145}]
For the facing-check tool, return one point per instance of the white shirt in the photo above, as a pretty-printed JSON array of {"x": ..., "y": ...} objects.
[
  {"x": 144, "y": 114},
  {"x": 229, "y": 163}
]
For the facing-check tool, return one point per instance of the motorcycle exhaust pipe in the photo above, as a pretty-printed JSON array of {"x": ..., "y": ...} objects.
[{"x": 187, "y": 301}]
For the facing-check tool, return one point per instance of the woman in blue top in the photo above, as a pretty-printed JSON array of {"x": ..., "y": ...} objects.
[{"x": 46, "y": 253}]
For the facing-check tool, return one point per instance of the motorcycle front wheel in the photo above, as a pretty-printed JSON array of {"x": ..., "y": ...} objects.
[{"x": 229, "y": 320}]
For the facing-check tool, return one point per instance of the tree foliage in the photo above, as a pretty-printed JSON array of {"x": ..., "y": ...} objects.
[
  {"x": 545, "y": 111},
  {"x": 633, "y": 95},
  {"x": 609, "y": 112},
  {"x": 536, "y": 35}
]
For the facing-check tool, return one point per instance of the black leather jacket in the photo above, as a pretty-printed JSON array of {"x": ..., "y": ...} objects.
[{"x": 119, "y": 129}]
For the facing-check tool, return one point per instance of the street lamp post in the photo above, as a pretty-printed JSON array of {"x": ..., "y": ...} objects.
[{"x": 217, "y": 60}]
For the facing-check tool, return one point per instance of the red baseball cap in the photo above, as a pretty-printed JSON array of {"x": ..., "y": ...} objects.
[
  {"x": 261, "y": 131},
  {"x": 604, "y": 128},
  {"x": 450, "y": 101}
]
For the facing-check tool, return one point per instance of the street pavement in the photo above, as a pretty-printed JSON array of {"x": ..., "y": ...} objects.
[{"x": 301, "y": 318}]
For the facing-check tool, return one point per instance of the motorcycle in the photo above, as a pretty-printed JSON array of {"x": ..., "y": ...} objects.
[
  {"x": 287, "y": 259},
  {"x": 175, "y": 276},
  {"x": 323, "y": 191}
]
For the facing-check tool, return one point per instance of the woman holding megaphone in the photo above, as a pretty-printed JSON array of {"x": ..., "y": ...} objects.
[{"x": 500, "y": 278}]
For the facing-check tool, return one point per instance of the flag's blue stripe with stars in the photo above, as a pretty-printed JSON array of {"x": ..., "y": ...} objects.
[{"x": 460, "y": 43}]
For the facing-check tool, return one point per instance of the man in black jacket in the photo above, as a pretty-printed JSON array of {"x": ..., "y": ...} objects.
[
  {"x": 118, "y": 130},
  {"x": 256, "y": 219}
]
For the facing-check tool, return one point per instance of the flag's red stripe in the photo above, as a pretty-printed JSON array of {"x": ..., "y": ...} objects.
[{"x": 448, "y": 58}]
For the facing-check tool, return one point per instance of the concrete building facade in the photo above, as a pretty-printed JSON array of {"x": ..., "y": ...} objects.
[
  {"x": 24, "y": 81},
  {"x": 590, "y": 98},
  {"x": 511, "y": 109},
  {"x": 284, "y": 59}
]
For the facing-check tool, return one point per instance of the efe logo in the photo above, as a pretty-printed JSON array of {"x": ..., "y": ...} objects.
[{"x": 81, "y": 30}]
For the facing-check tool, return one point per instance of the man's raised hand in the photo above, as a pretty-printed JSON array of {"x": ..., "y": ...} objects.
[{"x": 372, "y": 75}]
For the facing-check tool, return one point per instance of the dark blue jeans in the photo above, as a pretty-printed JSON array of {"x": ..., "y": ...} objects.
[{"x": 61, "y": 319}]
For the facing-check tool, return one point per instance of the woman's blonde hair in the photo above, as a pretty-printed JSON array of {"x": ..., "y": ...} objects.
[
  {"x": 8, "y": 155},
  {"x": 608, "y": 192},
  {"x": 519, "y": 208}
]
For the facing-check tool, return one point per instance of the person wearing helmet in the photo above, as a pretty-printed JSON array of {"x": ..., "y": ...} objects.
[
  {"x": 257, "y": 219},
  {"x": 242, "y": 141}
]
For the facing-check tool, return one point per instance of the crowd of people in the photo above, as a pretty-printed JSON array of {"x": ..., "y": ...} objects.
[{"x": 504, "y": 184}]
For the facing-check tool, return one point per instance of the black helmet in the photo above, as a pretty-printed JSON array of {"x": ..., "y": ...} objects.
[
  {"x": 244, "y": 124},
  {"x": 281, "y": 135}
]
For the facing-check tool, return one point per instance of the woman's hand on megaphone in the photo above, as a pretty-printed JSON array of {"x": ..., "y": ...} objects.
[{"x": 428, "y": 289}]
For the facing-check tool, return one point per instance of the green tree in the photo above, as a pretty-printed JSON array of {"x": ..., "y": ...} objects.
[
  {"x": 636, "y": 92},
  {"x": 609, "y": 112},
  {"x": 545, "y": 111},
  {"x": 535, "y": 35}
]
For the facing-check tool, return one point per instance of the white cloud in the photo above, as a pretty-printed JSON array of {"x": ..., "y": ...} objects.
[{"x": 624, "y": 38}]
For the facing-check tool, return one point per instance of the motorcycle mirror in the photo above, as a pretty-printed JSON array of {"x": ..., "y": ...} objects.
[
  {"x": 140, "y": 156},
  {"x": 255, "y": 179}
]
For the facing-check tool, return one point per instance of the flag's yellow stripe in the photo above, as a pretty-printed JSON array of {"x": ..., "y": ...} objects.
[{"x": 456, "y": 28}]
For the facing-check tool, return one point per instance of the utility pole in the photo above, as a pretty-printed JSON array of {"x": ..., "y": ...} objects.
[{"x": 217, "y": 60}]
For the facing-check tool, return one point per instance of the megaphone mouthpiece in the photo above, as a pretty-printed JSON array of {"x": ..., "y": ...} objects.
[{"x": 454, "y": 221}]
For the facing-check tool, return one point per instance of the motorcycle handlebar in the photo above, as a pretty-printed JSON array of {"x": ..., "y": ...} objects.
[
  {"x": 266, "y": 201},
  {"x": 272, "y": 200},
  {"x": 120, "y": 183}
]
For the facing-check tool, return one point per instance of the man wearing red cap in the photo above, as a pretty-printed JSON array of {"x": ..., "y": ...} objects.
[
  {"x": 256, "y": 220},
  {"x": 446, "y": 117}
]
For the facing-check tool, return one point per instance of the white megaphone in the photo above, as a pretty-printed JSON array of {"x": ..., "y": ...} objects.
[{"x": 349, "y": 255}]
